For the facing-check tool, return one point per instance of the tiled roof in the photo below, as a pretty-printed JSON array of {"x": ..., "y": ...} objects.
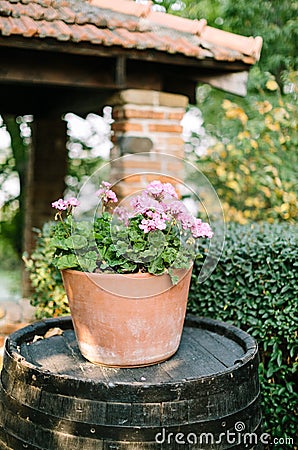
[{"x": 125, "y": 24}]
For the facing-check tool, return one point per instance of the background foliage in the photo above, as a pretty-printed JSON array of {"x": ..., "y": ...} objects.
[
  {"x": 48, "y": 296},
  {"x": 253, "y": 162}
]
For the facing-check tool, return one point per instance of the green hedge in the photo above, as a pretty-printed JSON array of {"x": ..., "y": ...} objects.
[{"x": 255, "y": 287}]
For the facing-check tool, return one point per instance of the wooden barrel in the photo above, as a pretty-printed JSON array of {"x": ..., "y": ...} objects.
[{"x": 204, "y": 397}]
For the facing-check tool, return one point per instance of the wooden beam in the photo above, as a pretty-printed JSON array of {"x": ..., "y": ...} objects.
[
  {"x": 56, "y": 69},
  {"x": 87, "y": 49}
]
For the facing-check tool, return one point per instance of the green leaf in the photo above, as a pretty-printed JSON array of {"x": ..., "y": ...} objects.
[
  {"x": 88, "y": 262},
  {"x": 59, "y": 243},
  {"x": 76, "y": 242},
  {"x": 66, "y": 262}
]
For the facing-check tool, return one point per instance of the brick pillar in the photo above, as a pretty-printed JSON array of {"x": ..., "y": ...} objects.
[{"x": 146, "y": 129}]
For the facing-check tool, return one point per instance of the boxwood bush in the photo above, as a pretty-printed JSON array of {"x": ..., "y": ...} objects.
[{"x": 255, "y": 287}]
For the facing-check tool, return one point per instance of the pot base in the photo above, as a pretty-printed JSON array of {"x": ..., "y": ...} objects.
[{"x": 128, "y": 366}]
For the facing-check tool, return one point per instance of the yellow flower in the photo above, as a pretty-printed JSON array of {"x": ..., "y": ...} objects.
[
  {"x": 266, "y": 191},
  {"x": 271, "y": 125},
  {"x": 244, "y": 169},
  {"x": 243, "y": 134},
  {"x": 264, "y": 107},
  {"x": 220, "y": 171},
  {"x": 271, "y": 85},
  {"x": 254, "y": 144},
  {"x": 226, "y": 104},
  {"x": 232, "y": 184}
]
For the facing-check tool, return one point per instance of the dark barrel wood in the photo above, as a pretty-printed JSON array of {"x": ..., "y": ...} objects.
[{"x": 52, "y": 398}]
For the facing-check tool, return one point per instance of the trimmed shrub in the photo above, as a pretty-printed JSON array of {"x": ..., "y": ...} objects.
[{"x": 255, "y": 287}]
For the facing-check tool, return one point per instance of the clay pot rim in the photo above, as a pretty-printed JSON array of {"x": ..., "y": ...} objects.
[{"x": 137, "y": 275}]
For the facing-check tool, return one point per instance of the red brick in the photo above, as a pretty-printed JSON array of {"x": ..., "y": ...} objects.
[
  {"x": 177, "y": 152},
  {"x": 161, "y": 128},
  {"x": 117, "y": 113},
  {"x": 142, "y": 165},
  {"x": 143, "y": 114},
  {"x": 132, "y": 179},
  {"x": 126, "y": 189},
  {"x": 127, "y": 126},
  {"x": 176, "y": 115}
]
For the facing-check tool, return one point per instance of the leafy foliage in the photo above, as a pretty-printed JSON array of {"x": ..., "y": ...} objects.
[
  {"x": 48, "y": 296},
  {"x": 255, "y": 286},
  {"x": 276, "y": 21},
  {"x": 253, "y": 162}
]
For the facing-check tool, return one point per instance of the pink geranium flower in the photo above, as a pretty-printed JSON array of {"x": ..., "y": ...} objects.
[
  {"x": 72, "y": 201},
  {"x": 201, "y": 229},
  {"x": 60, "y": 204},
  {"x": 105, "y": 193}
]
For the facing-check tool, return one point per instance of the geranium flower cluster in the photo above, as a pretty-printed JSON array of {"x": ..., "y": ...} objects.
[
  {"x": 63, "y": 205},
  {"x": 159, "y": 205},
  {"x": 120, "y": 240},
  {"x": 105, "y": 193}
]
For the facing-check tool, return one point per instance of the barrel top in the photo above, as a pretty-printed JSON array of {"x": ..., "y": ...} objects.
[{"x": 208, "y": 348}]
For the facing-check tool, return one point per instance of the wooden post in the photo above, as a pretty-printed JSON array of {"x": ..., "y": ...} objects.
[{"x": 45, "y": 177}]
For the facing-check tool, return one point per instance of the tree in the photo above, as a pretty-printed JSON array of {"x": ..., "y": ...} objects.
[{"x": 276, "y": 21}]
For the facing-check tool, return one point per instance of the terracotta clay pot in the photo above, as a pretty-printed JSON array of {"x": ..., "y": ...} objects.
[{"x": 127, "y": 320}]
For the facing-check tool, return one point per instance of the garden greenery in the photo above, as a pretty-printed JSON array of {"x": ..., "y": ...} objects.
[
  {"x": 48, "y": 294},
  {"x": 255, "y": 287},
  {"x": 253, "y": 162}
]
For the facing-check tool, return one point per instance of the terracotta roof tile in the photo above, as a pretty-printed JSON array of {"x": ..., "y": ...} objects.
[
  {"x": 63, "y": 30},
  {"x": 30, "y": 26},
  {"x": 178, "y": 23},
  {"x": 51, "y": 13},
  {"x": 78, "y": 33},
  {"x": 126, "y": 24},
  {"x": 5, "y": 8},
  {"x": 45, "y": 29},
  {"x": 8, "y": 27},
  {"x": 124, "y": 7},
  {"x": 42, "y": 2},
  {"x": 66, "y": 14}
]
